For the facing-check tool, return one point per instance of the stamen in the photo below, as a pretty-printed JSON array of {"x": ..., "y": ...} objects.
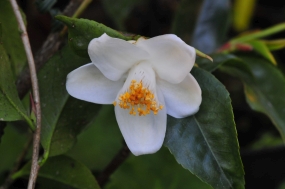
[{"x": 139, "y": 99}]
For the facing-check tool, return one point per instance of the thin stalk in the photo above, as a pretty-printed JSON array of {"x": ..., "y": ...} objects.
[{"x": 36, "y": 143}]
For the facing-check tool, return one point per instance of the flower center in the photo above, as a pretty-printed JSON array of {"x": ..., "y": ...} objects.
[{"x": 139, "y": 99}]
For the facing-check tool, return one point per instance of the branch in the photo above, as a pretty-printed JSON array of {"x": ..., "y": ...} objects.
[
  {"x": 35, "y": 88},
  {"x": 113, "y": 165}
]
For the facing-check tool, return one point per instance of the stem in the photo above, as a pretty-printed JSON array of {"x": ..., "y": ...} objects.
[
  {"x": 36, "y": 144},
  {"x": 264, "y": 33},
  {"x": 19, "y": 161},
  {"x": 113, "y": 165}
]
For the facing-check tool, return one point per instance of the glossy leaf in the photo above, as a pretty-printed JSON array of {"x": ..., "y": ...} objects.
[
  {"x": 223, "y": 59},
  {"x": 11, "y": 37},
  {"x": 63, "y": 117},
  {"x": 206, "y": 143},
  {"x": 261, "y": 48},
  {"x": 11, "y": 108},
  {"x": 64, "y": 170},
  {"x": 212, "y": 25},
  {"x": 264, "y": 90},
  {"x": 82, "y": 31},
  {"x": 156, "y": 171}
]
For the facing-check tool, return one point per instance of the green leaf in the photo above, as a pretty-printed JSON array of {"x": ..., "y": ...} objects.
[
  {"x": 218, "y": 60},
  {"x": 275, "y": 44},
  {"x": 261, "y": 48},
  {"x": 64, "y": 170},
  {"x": 259, "y": 34},
  {"x": 119, "y": 10},
  {"x": 11, "y": 37},
  {"x": 100, "y": 142},
  {"x": 184, "y": 19},
  {"x": 156, "y": 171},
  {"x": 63, "y": 117},
  {"x": 264, "y": 90},
  {"x": 82, "y": 31},
  {"x": 45, "y": 5},
  {"x": 223, "y": 60},
  {"x": 11, "y": 108},
  {"x": 12, "y": 145},
  {"x": 206, "y": 143},
  {"x": 212, "y": 25}
]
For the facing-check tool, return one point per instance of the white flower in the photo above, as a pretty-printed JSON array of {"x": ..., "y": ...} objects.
[{"x": 145, "y": 80}]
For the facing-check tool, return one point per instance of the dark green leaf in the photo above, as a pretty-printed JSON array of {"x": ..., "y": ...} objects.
[
  {"x": 218, "y": 60},
  {"x": 156, "y": 171},
  {"x": 212, "y": 25},
  {"x": 45, "y": 5},
  {"x": 11, "y": 108},
  {"x": 82, "y": 31},
  {"x": 11, "y": 37},
  {"x": 264, "y": 89},
  {"x": 100, "y": 142},
  {"x": 2, "y": 127},
  {"x": 185, "y": 18},
  {"x": 63, "y": 117},
  {"x": 12, "y": 145},
  {"x": 206, "y": 143},
  {"x": 119, "y": 10},
  {"x": 64, "y": 170}
]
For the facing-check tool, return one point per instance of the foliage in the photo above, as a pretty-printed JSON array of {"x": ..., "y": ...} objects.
[{"x": 80, "y": 139}]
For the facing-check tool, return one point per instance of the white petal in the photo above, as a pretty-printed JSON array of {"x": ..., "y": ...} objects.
[
  {"x": 143, "y": 134},
  {"x": 182, "y": 99},
  {"x": 172, "y": 58},
  {"x": 114, "y": 56},
  {"x": 89, "y": 84}
]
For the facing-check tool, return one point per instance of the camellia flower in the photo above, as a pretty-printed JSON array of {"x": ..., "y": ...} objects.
[{"x": 145, "y": 80}]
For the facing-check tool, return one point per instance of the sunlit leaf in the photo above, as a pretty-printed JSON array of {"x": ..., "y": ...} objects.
[
  {"x": 248, "y": 36},
  {"x": 63, "y": 117},
  {"x": 11, "y": 37},
  {"x": 264, "y": 89},
  {"x": 64, "y": 170},
  {"x": 261, "y": 48},
  {"x": 212, "y": 25},
  {"x": 275, "y": 44},
  {"x": 11, "y": 108},
  {"x": 206, "y": 143},
  {"x": 82, "y": 31}
]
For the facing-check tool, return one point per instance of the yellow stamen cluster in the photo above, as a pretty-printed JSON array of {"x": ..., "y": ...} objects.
[{"x": 139, "y": 100}]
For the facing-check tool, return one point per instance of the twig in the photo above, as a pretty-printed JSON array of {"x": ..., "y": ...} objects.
[
  {"x": 19, "y": 161},
  {"x": 113, "y": 165},
  {"x": 35, "y": 88}
]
